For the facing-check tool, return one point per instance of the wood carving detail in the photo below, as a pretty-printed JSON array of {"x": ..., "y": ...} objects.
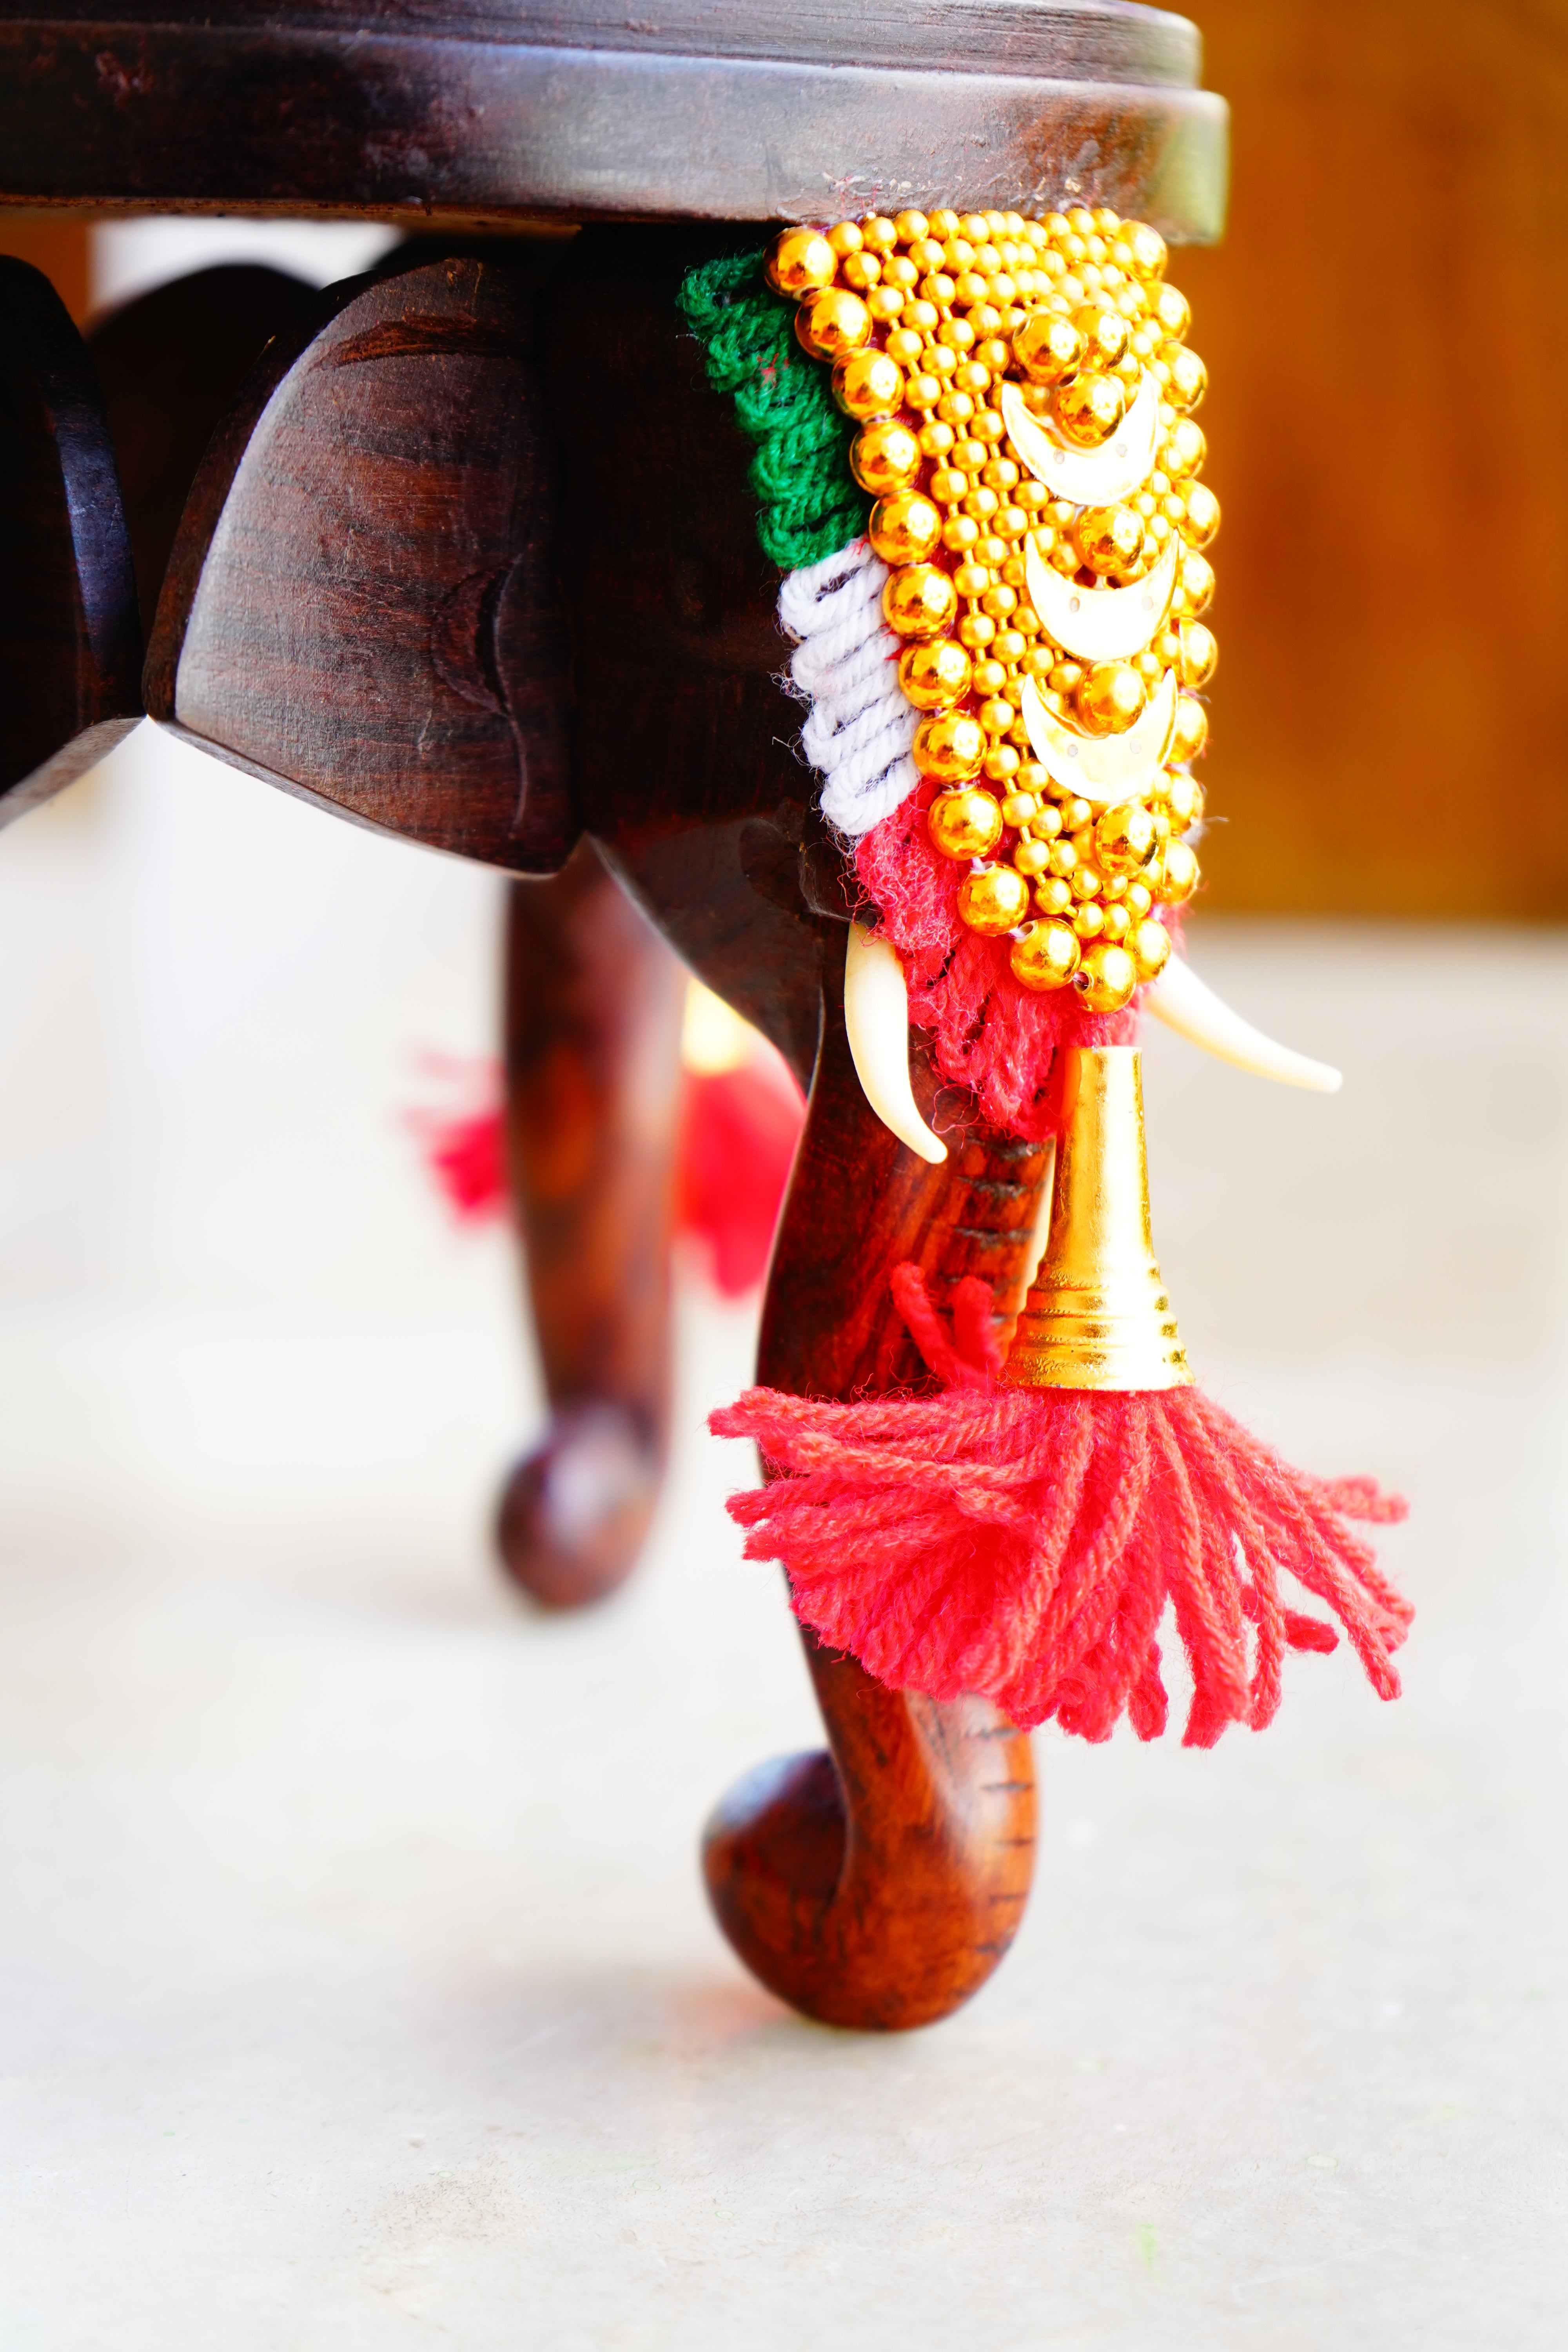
[{"x": 363, "y": 605}]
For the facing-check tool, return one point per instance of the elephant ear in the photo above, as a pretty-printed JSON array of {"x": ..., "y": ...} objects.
[
  {"x": 361, "y": 604},
  {"x": 70, "y": 647}
]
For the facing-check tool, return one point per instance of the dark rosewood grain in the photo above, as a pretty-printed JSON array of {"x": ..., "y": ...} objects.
[
  {"x": 171, "y": 363},
  {"x": 592, "y": 1062},
  {"x": 70, "y": 648},
  {"x": 361, "y": 604},
  {"x": 687, "y": 766},
  {"x": 879, "y": 1886}
]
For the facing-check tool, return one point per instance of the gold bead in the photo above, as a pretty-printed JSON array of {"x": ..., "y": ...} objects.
[
  {"x": 1001, "y": 763},
  {"x": 1063, "y": 859},
  {"x": 949, "y": 483},
  {"x": 1107, "y": 977},
  {"x": 1178, "y": 874},
  {"x": 1183, "y": 449},
  {"x": 959, "y": 533},
  {"x": 975, "y": 629},
  {"x": 1088, "y": 409},
  {"x": 994, "y": 899},
  {"x": 1183, "y": 797},
  {"x": 869, "y": 383},
  {"x": 1191, "y": 731},
  {"x": 950, "y": 745},
  {"x": 862, "y": 271},
  {"x": 919, "y": 601},
  {"x": 996, "y": 715},
  {"x": 1201, "y": 519},
  {"x": 1196, "y": 582},
  {"x": 880, "y": 236},
  {"x": 910, "y": 228},
  {"x": 935, "y": 676},
  {"x": 832, "y": 321},
  {"x": 1108, "y": 538},
  {"x": 1124, "y": 838},
  {"x": 964, "y": 824},
  {"x": 1045, "y": 956},
  {"x": 1118, "y": 922},
  {"x": 944, "y": 224},
  {"x": 1049, "y": 348},
  {"x": 799, "y": 261},
  {"x": 1150, "y": 946},
  {"x": 1189, "y": 379},
  {"x": 1148, "y": 249},
  {"x": 1020, "y": 808},
  {"x": 886, "y": 456},
  {"x": 1053, "y": 896},
  {"x": 885, "y": 302},
  {"x": 904, "y": 529},
  {"x": 1032, "y": 857},
  {"x": 1046, "y": 824},
  {"x": 936, "y": 439},
  {"x": 1173, "y": 312},
  {"x": 1110, "y": 696},
  {"x": 1088, "y": 921},
  {"x": 1086, "y": 882},
  {"x": 1140, "y": 898},
  {"x": 1105, "y": 335},
  {"x": 1197, "y": 653}
]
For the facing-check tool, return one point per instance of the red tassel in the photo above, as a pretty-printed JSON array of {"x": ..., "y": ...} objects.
[
  {"x": 738, "y": 1140},
  {"x": 1025, "y": 1543},
  {"x": 738, "y": 1133}
]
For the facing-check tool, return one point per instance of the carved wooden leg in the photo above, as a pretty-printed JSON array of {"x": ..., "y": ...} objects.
[
  {"x": 594, "y": 1008},
  {"x": 879, "y": 1885}
]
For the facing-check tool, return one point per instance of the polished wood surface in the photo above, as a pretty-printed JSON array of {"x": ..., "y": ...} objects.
[
  {"x": 707, "y": 110},
  {"x": 595, "y": 1001},
  {"x": 684, "y": 764},
  {"x": 69, "y": 643},
  {"x": 361, "y": 604},
  {"x": 879, "y": 1886},
  {"x": 170, "y": 365}
]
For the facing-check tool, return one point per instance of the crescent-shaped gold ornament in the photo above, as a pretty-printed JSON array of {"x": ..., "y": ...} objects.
[
  {"x": 1088, "y": 477},
  {"x": 1099, "y": 624},
  {"x": 1103, "y": 767}
]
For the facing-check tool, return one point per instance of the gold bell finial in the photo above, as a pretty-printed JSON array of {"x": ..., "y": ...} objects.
[{"x": 1098, "y": 1317}]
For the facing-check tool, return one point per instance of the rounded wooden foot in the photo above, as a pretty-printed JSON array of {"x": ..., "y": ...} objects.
[
  {"x": 574, "y": 1512},
  {"x": 880, "y": 1887}
]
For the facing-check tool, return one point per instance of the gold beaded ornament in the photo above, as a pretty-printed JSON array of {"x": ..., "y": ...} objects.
[{"x": 1024, "y": 397}]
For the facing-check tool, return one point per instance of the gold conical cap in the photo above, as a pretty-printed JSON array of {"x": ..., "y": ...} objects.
[{"x": 1098, "y": 1317}]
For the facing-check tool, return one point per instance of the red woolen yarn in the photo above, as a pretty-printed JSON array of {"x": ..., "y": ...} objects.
[
  {"x": 988, "y": 1033},
  {"x": 1025, "y": 1543}
]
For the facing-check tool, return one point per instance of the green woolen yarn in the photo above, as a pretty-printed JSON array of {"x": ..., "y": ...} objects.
[{"x": 811, "y": 504}]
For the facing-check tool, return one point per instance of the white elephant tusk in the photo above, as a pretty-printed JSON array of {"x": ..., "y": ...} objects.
[
  {"x": 877, "y": 1018},
  {"x": 1186, "y": 1004}
]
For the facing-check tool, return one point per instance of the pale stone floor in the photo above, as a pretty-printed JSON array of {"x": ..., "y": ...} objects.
[{"x": 358, "y": 1987}]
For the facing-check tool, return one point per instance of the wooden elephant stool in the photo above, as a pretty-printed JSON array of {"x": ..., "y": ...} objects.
[{"x": 471, "y": 555}]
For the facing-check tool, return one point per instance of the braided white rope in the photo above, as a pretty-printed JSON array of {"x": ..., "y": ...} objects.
[{"x": 860, "y": 729}]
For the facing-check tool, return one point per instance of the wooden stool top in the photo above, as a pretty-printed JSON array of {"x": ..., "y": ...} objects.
[{"x": 570, "y": 110}]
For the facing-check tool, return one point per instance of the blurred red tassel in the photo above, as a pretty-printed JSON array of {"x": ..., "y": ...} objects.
[
  {"x": 1025, "y": 1543},
  {"x": 465, "y": 1149},
  {"x": 738, "y": 1140},
  {"x": 737, "y": 1135}
]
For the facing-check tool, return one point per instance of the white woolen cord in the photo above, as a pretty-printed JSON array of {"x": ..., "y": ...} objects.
[{"x": 860, "y": 729}]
